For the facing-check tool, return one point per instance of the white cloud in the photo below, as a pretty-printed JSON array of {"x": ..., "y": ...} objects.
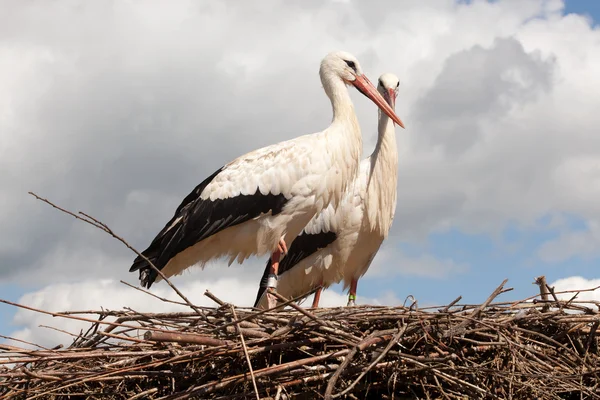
[
  {"x": 575, "y": 283},
  {"x": 109, "y": 294},
  {"x": 585, "y": 244},
  {"x": 120, "y": 109},
  {"x": 390, "y": 262}
]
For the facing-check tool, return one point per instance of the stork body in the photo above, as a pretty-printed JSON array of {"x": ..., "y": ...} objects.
[
  {"x": 341, "y": 241},
  {"x": 263, "y": 199}
]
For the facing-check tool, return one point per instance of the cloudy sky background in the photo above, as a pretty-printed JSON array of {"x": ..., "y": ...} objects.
[{"x": 120, "y": 108}]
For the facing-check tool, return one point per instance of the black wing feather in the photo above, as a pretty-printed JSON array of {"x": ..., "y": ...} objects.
[
  {"x": 303, "y": 246},
  {"x": 201, "y": 219}
]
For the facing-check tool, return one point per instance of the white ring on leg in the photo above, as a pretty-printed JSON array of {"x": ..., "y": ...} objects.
[{"x": 272, "y": 281}]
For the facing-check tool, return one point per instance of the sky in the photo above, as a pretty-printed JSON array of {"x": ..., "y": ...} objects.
[{"x": 119, "y": 109}]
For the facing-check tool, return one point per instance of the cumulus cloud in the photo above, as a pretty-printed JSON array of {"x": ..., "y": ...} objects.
[
  {"x": 120, "y": 108},
  {"x": 391, "y": 262},
  {"x": 569, "y": 244},
  {"x": 576, "y": 283},
  {"x": 108, "y": 294}
]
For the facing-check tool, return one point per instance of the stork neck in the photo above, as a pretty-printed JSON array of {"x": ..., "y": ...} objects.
[
  {"x": 344, "y": 137},
  {"x": 343, "y": 108},
  {"x": 383, "y": 174},
  {"x": 385, "y": 149}
]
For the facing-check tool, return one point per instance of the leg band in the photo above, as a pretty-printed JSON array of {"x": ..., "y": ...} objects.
[{"x": 272, "y": 281}]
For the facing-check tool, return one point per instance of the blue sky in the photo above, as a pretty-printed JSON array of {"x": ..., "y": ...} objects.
[
  {"x": 435, "y": 251},
  {"x": 589, "y": 8}
]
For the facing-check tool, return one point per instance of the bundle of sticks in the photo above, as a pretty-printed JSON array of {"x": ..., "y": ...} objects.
[{"x": 537, "y": 348}]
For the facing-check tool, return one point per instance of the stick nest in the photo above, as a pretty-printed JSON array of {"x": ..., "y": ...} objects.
[{"x": 531, "y": 349}]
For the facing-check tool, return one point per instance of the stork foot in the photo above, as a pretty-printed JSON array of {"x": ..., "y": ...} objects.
[
  {"x": 351, "y": 300},
  {"x": 272, "y": 279},
  {"x": 352, "y": 293},
  {"x": 271, "y": 299},
  {"x": 271, "y": 287}
]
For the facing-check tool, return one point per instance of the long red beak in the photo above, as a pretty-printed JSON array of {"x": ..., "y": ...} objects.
[
  {"x": 365, "y": 86},
  {"x": 391, "y": 93}
]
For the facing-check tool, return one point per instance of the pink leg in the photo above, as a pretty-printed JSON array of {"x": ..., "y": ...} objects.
[
  {"x": 352, "y": 294},
  {"x": 315, "y": 303},
  {"x": 282, "y": 247},
  {"x": 272, "y": 282}
]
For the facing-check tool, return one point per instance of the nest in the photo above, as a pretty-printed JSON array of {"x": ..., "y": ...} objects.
[{"x": 530, "y": 349}]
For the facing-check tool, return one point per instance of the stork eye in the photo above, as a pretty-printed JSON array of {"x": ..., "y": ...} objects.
[
  {"x": 398, "y": 85},
  {"x": 351, "y": 64}
]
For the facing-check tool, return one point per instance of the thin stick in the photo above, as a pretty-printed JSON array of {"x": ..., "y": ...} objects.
[
  {"x": 144, "y": 394},
  {"x": 24, "y": 341},
  {"x": 300, "y": 309},
  {"x": 162, "y": 336},
  {"x": 152, "y": 294},
  {"x": 214, "y": 298},
  {"x": 114, "y": 324},
  {"x": 477, "y": 311},
  {"x": 102, "y": 226},
  {"x": 246, "y": 354},
  {"x": 452, "y": 303},
  {"x": 338, "y": 372},
  {"x": 258, "y": 313},
  {"x": 392, "y": 342},
  {"x": 541, "y": 282},
  {"x": 58, "y": 330}
]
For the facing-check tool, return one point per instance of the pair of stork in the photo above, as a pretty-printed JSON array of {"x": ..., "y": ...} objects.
[{"x": 311, "y": 192}]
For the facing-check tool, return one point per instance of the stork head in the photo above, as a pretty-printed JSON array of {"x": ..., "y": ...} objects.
[
  {"x": 340, "y": 65},
  {"x": 388, "y": 86}
]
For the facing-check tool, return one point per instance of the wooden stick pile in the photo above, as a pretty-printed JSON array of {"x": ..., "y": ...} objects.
[{"x": 531, "y": 349}]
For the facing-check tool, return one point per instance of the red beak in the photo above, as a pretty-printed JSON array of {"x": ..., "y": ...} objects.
[
  {"x": 365, "y": 86},
  {"x": 391, "y": 98}
]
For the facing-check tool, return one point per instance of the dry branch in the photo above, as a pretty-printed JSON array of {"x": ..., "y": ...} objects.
[{"x": 496, "y": 350}]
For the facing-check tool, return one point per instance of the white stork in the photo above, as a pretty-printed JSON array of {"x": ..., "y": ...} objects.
[
  {"x": 340, "y": 243},
  {"x": 262, "y": 200}
]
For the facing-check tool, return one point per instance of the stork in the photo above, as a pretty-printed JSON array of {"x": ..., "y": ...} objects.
[
  {"x": 341, "y": 242},
  {"x": 261, "y": 201}
]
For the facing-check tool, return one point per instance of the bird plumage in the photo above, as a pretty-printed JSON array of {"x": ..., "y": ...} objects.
[
  {"x": 355, "y": 229},
  {"x": 249, "y": 205}
]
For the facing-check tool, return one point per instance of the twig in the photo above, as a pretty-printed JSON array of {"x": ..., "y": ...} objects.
[
  {"x": 143, "y": 394},
  {"x": 256, "y": 314},
  {"x": 214, "y": 298},
  {"x": 452, "y": 303},
  {"x": 550, "y": 355},
  {"x": 161, "y": 336},
  {"x": 152, "y": 294},
  {"x": 23, "y": 341},
  {"x": 476, "y": 312},
  {"x": 541, "y": 282},
  {"x": 94, "y": 222},
  {"x": 379, "y": 358},
  {"x": 246, "y": 354}
]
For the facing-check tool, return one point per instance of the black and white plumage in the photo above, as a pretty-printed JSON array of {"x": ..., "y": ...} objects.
[
  {"x": 266, "y": 197},
  {"x": 341, "y": 242},
  {"x": 303, "y": 246}
]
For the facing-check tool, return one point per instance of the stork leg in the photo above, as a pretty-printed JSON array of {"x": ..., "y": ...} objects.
[
  {"x": 352, "y": 294},
  {"x": 282, "y": 247},
  {"x": 317, "y": 297},
  {"x": 272, "y": 282}
]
